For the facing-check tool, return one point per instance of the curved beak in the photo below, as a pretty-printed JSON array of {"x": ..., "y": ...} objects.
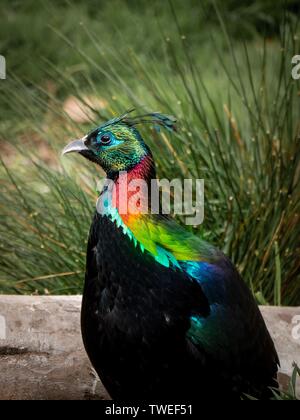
[{"x": 75, "y": 146}]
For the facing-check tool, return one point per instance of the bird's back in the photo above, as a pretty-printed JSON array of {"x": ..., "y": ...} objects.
[{"x": 234, "y": 334}]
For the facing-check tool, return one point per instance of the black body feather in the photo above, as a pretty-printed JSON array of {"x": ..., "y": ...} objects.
[{"x": 136, "y": 315}]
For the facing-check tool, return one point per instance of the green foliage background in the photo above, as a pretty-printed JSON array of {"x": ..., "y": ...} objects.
[{"x": 223, "y": 68}]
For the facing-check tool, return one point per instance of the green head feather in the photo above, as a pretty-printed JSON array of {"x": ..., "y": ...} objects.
[{"x": 117, "y": 144}]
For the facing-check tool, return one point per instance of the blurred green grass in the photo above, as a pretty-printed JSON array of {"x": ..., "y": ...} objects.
[
  {"x": 27, "y": 38},
  {"x": 231, "y": 89}
]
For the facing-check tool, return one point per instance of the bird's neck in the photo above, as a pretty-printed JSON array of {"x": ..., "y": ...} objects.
[
  {"x": 130, "y": 194},
  {"x": 144, "y": 170}
]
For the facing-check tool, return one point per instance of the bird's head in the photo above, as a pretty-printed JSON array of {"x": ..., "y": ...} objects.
[{"x": 117, "y": 145}]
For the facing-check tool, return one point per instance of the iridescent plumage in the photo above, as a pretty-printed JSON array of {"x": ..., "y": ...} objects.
[{"x": 165, "y": 315}]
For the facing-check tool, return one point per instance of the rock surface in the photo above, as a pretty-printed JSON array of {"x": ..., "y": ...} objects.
[{"x": 42, "y": 356}]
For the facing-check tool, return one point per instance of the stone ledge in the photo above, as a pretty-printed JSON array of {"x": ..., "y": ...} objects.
[{"x": 42, "y": 356}]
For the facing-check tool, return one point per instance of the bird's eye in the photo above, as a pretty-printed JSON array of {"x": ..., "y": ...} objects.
[{"x": 105, "y": 139}]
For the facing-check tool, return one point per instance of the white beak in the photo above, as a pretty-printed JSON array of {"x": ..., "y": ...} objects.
[{"x": 75, "y": 146}]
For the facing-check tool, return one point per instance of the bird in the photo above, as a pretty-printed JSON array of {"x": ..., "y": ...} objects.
[{"x": 165, "y": 315}]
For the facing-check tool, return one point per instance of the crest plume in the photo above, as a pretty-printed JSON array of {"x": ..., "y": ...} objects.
[{"x": 154, "y": 118}]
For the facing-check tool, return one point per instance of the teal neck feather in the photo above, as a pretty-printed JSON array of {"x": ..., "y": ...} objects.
[{"x": 163, "y": 257}]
